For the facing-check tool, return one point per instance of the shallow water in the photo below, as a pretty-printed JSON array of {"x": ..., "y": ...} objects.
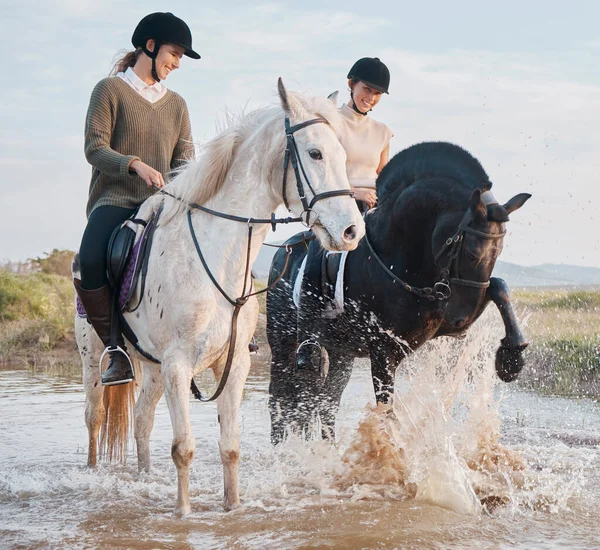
[{"x": 409, "y": 479}]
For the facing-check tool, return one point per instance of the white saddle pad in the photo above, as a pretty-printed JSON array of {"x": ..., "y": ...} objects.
[{"x": 339, "y": 282}]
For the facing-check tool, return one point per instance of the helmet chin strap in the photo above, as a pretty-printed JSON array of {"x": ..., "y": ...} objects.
[
  {"x": 153, "y": 55},
  {"x": 355, "y": 107}
]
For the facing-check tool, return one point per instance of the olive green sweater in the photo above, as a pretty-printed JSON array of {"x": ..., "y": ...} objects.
[{"x": 121, "y": 126}]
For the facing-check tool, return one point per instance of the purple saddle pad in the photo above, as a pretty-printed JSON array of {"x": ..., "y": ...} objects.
[{"x": 126, "y": 281}]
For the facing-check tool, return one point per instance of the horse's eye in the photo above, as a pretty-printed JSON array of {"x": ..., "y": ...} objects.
[{"x": 315, "y": 154}]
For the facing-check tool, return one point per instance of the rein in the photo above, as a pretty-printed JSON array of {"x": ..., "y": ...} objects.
[
  {"x": 291, "y": 155},
  {"x": 441, "y": 290}
]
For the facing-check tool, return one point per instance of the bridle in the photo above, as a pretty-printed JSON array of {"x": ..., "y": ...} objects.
[
  {"x": 449, "y": 274},
  {"x": 291, "y": 155},
  {"x": 453, "y": 246}
]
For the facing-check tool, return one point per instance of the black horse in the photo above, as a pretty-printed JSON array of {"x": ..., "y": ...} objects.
[{"x": 422, "y": 271}]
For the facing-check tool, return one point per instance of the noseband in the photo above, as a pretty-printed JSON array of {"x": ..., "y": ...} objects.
[
  {"x": 292, "y": 155},
  {"x": 449, "y": 275}
]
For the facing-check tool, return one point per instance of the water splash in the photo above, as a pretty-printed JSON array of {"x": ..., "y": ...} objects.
[{"x": 440, "y": 441}]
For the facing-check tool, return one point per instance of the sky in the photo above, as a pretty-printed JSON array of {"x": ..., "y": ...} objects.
[{"x": 515, "y": 83}]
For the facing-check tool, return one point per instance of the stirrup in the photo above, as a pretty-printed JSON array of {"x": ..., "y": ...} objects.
[
  {"x": 118, "y": 349},
  {"x": 308, "y": 342},
  {"x": 253, "y": 347}
]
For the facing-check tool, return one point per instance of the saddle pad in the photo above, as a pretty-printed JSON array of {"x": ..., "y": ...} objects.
[
  {"x": 339, "y": 282},
  {"x": 298, "y": 283},
  {"x": 127, "y": 279}
]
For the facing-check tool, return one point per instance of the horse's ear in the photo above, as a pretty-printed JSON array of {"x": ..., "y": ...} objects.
[
  {"x": 288, "y": 102},
  {"x": 516, "y": 202},
  {"x": 333, "y": 97},
  {"x": 283, "y": 96},
  {"x": 478, "y": 209},
  {"x": 496, "y": 213}
]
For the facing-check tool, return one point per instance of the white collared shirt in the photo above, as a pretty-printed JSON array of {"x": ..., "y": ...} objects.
[{"x": 151, "y": 93}]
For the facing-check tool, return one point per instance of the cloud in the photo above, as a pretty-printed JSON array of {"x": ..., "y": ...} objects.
[
  {"x": 532, "y": 119},
  {"x": 274, "y": 29},
  {"x": 82, "y": 8},
  {"x": 532, "y": 129}
]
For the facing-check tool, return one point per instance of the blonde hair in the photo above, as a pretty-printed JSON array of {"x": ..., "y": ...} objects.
[{"x": 125, "y": 61}]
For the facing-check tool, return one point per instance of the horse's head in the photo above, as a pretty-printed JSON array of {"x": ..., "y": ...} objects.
[
  {"x": 466, "y": 250},
  {"x": 315, "y": 184}
]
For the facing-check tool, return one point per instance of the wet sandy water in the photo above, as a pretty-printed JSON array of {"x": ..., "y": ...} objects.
[{"x": 292, "y": 495}]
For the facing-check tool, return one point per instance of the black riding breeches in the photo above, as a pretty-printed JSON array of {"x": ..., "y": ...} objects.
[{"x": 94, "y": 244}]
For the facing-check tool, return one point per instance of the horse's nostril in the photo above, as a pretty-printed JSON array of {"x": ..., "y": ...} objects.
[
  {"x": 460, "y": 322},
  {"x": 350, "y": 233}
]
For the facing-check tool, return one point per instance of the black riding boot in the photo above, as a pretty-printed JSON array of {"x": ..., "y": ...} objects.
[
  {"x": 97, "y": 305},
  {"x": 308, "y": 354}
]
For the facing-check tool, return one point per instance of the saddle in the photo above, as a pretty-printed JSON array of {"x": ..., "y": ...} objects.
[
  {"x": 127, "y": 260},
  {"x": 322, "y": 272}
]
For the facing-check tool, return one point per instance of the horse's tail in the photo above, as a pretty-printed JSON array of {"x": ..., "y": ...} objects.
[{"x": 118, "y": 419}]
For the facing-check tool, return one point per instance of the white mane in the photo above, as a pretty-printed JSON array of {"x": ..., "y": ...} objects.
[{"x": 200, "y": 179}]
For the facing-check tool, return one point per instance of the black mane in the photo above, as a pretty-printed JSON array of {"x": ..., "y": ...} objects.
[{"x": 430, "y": 159}]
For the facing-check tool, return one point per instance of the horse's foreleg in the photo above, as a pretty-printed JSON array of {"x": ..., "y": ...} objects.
[
  {"x": 228, "y": 406},
  {"x": 384, "y": 363},
  {"x": 509, "y": 361},
  {"x": 176, "y": 373},
  {"x": 338, "y": 376},
  {"x": 499, "y": 294},
  {"x": 145, "y": 407}
]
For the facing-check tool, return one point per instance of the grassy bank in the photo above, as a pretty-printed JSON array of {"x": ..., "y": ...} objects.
[
  {"x": 36, "y": 318},
  {"x": 36, "y": 328},
  {"x": 563, "y": 327}
]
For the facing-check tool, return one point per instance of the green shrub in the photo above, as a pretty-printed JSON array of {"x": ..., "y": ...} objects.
[
  {"x": 35, "y": 295},
  {"x": 36, "y": 311},
  {"x": 58, "y": 262}
]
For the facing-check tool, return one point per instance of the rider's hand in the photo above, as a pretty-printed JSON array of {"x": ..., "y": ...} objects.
[
  {"x": 151, "y": 176},
  {"x": 366, "y": 195}
]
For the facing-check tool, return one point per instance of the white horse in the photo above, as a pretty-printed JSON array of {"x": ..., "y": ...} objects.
[{"x": 184, "y": 320}]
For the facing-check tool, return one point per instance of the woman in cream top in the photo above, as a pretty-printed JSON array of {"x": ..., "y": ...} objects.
[
  {"x": 366, "y": 141},
  {"x": 367, "y": 145}
]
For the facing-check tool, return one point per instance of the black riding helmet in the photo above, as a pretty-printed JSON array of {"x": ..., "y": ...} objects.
[
  {"x": 164, "y": 28},
  {"x": 373, "y": 72}
]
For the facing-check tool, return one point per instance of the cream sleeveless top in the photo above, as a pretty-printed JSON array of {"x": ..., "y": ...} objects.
[{"x": 363, "y": 139}]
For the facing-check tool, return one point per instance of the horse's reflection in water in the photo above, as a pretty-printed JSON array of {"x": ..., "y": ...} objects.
[
  {"x": 423, "y": 270},
  {"x": 184, "y": 320}
]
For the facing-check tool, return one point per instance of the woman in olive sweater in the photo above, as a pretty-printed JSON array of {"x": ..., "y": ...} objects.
[{"x": 136, "y": 132}]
